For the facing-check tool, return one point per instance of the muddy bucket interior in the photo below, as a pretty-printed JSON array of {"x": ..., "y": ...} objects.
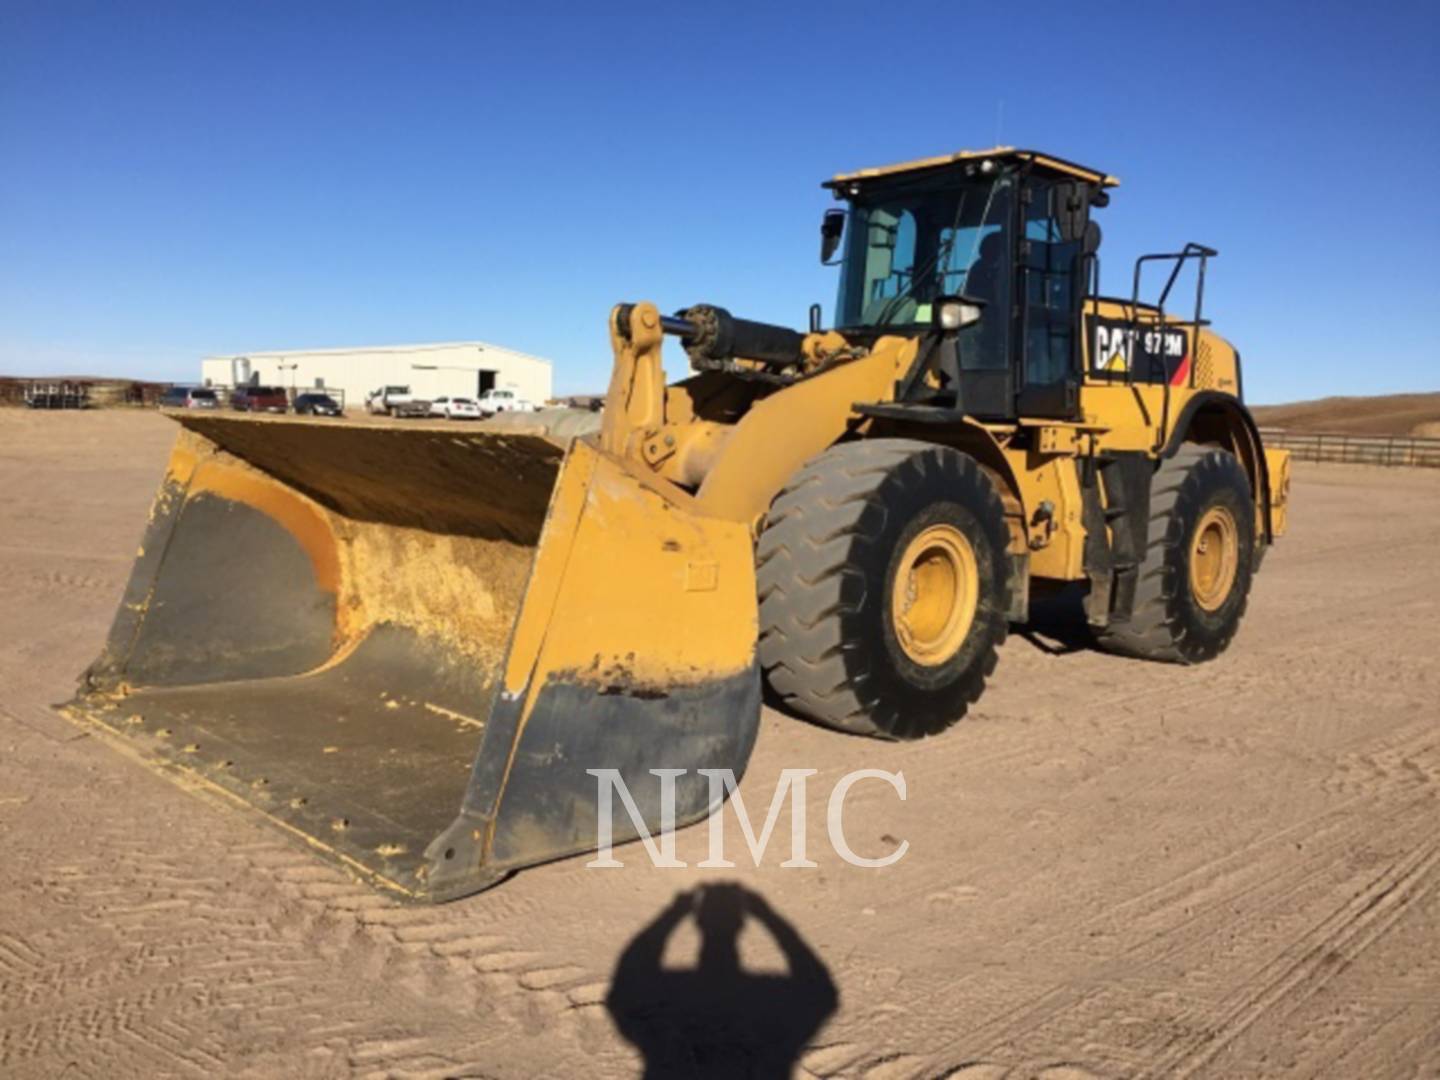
[{"x": 319, "y": 622}]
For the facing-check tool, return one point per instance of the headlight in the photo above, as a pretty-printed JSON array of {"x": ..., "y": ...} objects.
[{"x": 953, "y": 313}]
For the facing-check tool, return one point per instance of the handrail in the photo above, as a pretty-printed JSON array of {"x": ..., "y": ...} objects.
[{"x": 1191, "y": 250}]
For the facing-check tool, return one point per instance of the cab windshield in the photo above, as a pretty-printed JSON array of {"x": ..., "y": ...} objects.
[{"x": 910, "y": 242}]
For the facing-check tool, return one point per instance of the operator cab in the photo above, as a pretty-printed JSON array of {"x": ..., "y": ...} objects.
[{"x": 1006, "y": 230}]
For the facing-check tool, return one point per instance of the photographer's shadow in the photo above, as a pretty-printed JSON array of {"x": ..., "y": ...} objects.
[{"x": 717, "y": 1019}]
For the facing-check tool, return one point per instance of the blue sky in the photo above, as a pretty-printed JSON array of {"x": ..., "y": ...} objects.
[{"x": 193, "y": 178}]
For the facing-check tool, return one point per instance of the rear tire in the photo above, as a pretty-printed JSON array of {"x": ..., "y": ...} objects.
[
  {"x": 883, "y": 587},
  {"x": 1194, "y": 580}
]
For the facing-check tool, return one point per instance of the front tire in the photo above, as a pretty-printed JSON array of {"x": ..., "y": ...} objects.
[
  {"x": 883, "y": 587},
  {"x": 1194, "y": 581}
]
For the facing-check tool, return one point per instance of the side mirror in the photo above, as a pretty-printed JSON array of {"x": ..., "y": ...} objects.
[
  {"x": 832, "y": 228},
  {"x": 1092, "y": 239},
  {"x": 1070, "y": 208}
]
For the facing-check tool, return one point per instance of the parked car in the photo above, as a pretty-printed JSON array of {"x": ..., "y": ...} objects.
[
  {"x": 259, "y": 399},
  {"x": 396, "y": 401},
  {"x": 498, "y": 401},
  {"x": 589, "y": 402},
  {"x": 189, "y": 397},
  {"x": 455, "y": 408},
  {"x": 317, "y": 404}
]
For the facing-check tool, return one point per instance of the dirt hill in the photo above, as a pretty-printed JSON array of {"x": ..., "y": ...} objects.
[{"x": 1393, "y": 414}]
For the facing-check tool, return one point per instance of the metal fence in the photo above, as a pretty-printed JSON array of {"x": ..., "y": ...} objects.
[
  {"x": 61, "y": 394},
  {"x": 1356, "y": 449}
]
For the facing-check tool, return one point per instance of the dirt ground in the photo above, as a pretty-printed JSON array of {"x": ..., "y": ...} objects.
[{"x": 1114, "y": 868}]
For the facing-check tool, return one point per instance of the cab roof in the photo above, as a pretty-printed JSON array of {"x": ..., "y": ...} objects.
[{"x": 1045, "y": 162}]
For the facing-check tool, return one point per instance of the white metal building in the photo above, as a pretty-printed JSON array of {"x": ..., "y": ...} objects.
[{"x": 450, "y": 369}]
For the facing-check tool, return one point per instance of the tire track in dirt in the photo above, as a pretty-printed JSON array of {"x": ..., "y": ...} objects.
[
  {"x": 1035, "y": 740},
  {"x": 1218, "y": 888},
  {"x": 69, "y": 580},
  {"x": 263, "y": 919},
  {"x": 1313, "y": 959},
  {"x": 1408, "y": 758},
  {"x": 1231, "y": 902}
]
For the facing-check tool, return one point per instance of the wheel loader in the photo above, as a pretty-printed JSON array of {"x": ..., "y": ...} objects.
[{"x": 411, "y": 648}]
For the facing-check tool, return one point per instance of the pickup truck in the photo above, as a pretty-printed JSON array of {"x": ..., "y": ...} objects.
[
  {"x": 395, "y": 401},
  {"x": 498, "y": 401}
]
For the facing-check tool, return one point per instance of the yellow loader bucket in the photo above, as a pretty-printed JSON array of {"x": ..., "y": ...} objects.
[{"x": 407, "y": 645}]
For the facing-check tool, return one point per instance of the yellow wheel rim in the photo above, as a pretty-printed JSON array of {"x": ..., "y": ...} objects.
[
  {"x": 1214, "y": 558},
  {"x": 936, "y": 591}
]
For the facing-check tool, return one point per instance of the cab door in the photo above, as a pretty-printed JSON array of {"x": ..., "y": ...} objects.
[
  {"x": 1049, "y": 289},
  {"x": 981, "y": 355}
]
